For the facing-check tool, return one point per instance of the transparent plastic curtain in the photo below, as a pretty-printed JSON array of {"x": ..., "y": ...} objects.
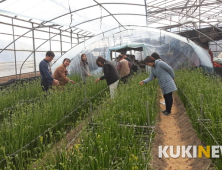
[
  {"x": 90, "y": 47},
  {"x": 177, "y": 51}
]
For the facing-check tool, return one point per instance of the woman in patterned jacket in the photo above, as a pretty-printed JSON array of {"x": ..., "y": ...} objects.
[{"x": 165, "y": 75}]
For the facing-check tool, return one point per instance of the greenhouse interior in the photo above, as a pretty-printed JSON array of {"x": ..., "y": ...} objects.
[{"x": 110, "y": 85}]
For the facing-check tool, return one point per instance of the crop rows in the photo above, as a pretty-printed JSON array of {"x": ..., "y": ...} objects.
[
  {"x": 31, "y": 124},
  {"x": 17, "y": 94},
  {"x": 192, "y": 85},
  {"x": 117, "y": 137}
]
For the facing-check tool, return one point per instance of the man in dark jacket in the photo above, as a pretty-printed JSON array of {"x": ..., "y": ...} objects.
[
  {"x": 110, "y": 74},
  {"x": 45, "y": 71}
]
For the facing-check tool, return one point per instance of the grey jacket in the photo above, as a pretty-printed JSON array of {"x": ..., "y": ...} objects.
[
  {"x": 165, "y": 75},
  {"x": 84, "y": 70}
]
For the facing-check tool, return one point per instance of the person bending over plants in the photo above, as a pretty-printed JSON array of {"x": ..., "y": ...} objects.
[
  {"x": 165, "y": 75},
  {"x": 61, "y": 74},
  {"x": 124, "y": 68},
  {"x": 156, "y": 56},
  {"x": 110, "y": 74}
]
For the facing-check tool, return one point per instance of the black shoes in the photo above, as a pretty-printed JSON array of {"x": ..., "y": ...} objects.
[{"x": 166, "y": 113}]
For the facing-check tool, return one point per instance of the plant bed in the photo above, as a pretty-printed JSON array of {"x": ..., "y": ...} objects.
[
  {"x": 111, "y": 141},
  {"x": 202, "y": 98},
  {"x": 33, "y": 129}
]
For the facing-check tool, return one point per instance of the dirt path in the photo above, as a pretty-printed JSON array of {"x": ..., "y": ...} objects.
[{"x": 176, "y": 129}]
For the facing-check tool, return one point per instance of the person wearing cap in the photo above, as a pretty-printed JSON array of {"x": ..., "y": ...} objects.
[
  {"x": 165, "y": 75},
  {"x": 124, "y": 68},
  {"x": 110, "y": 74},
  {"x": 61, "y": 74},
  {"x": 45, "y": 71}
]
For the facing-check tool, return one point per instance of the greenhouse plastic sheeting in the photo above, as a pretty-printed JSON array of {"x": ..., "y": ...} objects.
[
  {"x": 177, "y": 51},
  {"x": 86, "y": 14}
]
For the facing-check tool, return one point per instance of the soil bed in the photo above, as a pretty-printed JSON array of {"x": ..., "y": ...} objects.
[{"x": 176, "y": 129}]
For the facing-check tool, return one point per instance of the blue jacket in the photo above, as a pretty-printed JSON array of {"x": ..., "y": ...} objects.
[
  {"x": 165, "y": 75},
  {"x": 45, "y": 71}
]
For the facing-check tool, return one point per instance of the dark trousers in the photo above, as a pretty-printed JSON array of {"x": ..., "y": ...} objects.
[
  {"x": 124, "y": 79},
  {"x": 169, "y": 101},
  {"x": 46, "y": 85}
]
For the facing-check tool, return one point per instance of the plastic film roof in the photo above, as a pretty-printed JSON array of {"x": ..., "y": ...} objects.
[
  {"x": 90, "y": 18},
  {"x": 87, "y": 15},
  {"x": 101, "y": 15}
]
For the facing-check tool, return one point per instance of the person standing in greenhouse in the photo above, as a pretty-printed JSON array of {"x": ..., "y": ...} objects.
[
  {"x": 61, "y": 74},
  {"x": 165, "y": 75},
  {"x": 134, "y": 67},
  {"x": 84, "y": 68},
  {"x": 110, "y": 74},
  {"x": 124, "y": 68},
  {"x": 45, "y": 71},
  {"x": 156, "y": 56}
]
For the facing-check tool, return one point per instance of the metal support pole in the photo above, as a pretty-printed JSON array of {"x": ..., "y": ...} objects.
[
  {"x": 78, "y": 38},
  {"x": 71, "y": 38},
  {"x": 33, "y": 41},
  {"x": 84, "y": 43},
  {"x": 146, "y": 12},
  {"x": 61, "y": 41},
  {"x": 50, "y": 40},
  {"x": 14, "y": 49},
  {"x": 148, "y": 115},
  {"x": 199, "y": 15},
  {"x": 201, "y": 110}
]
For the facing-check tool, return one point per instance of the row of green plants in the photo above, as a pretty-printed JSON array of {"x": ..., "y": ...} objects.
[
  {"x": 117, "y": 137},
  {"x": 43, "y": 122},
  {"x": 14, "y": 94},
  {"x": 22, "y": 93},
  {"x": 192, "y": 85}
]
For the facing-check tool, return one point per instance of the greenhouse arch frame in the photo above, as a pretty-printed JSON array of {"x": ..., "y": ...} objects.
[{"x": 29, "y": 31}]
